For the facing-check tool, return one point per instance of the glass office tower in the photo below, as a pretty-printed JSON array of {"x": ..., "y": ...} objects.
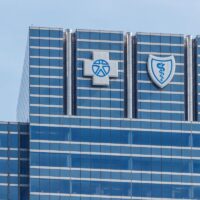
[{"x": 108, "y": 115}]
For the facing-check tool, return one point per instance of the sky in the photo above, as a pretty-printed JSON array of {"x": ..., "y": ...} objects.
[{"x": 165, "y": 16}]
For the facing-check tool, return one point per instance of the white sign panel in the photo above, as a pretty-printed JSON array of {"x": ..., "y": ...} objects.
[{"x": 101, "y": 68}]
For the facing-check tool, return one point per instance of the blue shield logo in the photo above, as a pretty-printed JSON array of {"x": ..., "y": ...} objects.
[{"x": 161, "y": 69}]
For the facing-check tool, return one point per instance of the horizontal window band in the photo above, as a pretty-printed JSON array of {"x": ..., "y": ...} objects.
[
  {"x": 126, "y": 120},
  {"x": 82, "y": 59},
  {"x": 153, "y": 87},
  {"x": 114, "y": 120},
  {"x": 99, "y": 196},
  {"x": 160, "y": 53},
  {"x": 100, "y": 93},
  {"x": 99, "y": 104},
  {"x": 106, "y": 41},
  {"x": 103, "y": 50},
  {"x": 6, "y": 123},
  {"x": 146, "y": 72},
  {"x": 100, "y": 89},
  {"x": 152, "y": 90},
  {"x": 48, "y": 71},
  {"x": 46, "y": 105},
  {"x": 46, "y": 28},
  {"x": 47, "y": 48},
  {"x": 145, "y": 62},
  {"x": 14, "y": 133},
  {"x": 113, "y": 127},
  {"x": 160, "y": 101},
  {"x": 114, "y": 154},
  {"x": 151, "y": 99},
  {"x": 99, "y": 108},
  {"x": 46, "y": 96},
  {"x": 7, "y": 132},
  {"x": 14, "y": 159},
  {"x": 111, "y": 79},
  {"x": 47, "y": 76},
  {"x": 46, "y": 38},
  {"x": 160, "y": 34},
  {"x": 46, "y": 67},
  {"x": 12, "y": 149},
  {"x": 116, "y": 145},
  {"x": 114, "y": 170},
  {"x": 46, "y": 82},
  {"x": 5, "y": 149},
  {"x": 6, "y": 184},
  {"x": 46, "y": 86},
  {"x": 171, "y": 83},
  {"x": 14, "y": 175},
  {"x": 161, "y": 111},
  {"x": 17, "y": 159},
  {"x": 14, "y": 185},
  {"x": 99, "y": 31},
  {"x": 81, "y": 69},
  {"x": 160, "y": 44},
  {"x": 177, "y": 80},
  {"x": 100, "y": 98},
  {"x": 47, "y": 57},
  {"x": 159, "y": 92},
  {"x": 114, "y": 180}
]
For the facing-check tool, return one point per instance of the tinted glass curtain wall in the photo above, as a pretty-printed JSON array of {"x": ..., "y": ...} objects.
[{"x": 105, "y": 115}]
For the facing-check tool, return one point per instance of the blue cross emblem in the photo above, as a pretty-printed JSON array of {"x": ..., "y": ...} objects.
[{"x": 101, "y": 68}]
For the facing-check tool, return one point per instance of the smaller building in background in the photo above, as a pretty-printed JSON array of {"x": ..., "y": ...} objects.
[{"x": 14, "y": 161}]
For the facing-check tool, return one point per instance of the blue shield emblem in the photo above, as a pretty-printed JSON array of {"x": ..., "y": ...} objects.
[{"x": 161, "y": 69}]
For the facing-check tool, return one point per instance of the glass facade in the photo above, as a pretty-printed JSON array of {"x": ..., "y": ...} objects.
[
  {"x": 154, "y": 103},
  {"x": 89, "y": 100},
  {"x": 104, "y": 131}
]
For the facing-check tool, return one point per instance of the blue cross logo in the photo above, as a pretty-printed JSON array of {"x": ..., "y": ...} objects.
[{"x": 100, "y": 68}]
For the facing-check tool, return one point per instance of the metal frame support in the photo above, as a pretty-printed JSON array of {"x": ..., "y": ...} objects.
[
  {"x": 129, "y": 76},
  {"x": 189, "y": 77},
  {"x": 69, "y": 70}
]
